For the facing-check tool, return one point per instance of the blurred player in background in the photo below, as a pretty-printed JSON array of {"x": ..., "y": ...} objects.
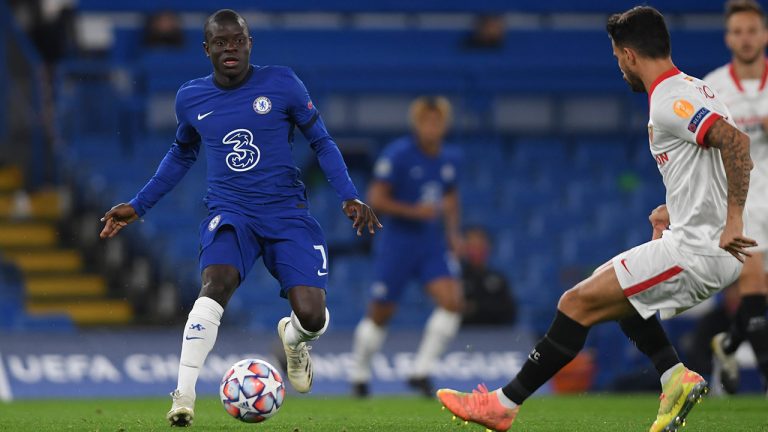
[
  {"x": 741, "y": 85},
  {"x": 705, "y": 163},
  {"x": 245, "y": 115},
  {"x": 415, "y": 189}
]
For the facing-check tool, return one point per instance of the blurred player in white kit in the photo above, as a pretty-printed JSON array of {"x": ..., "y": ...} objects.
[{"x": 741, "y": 85}]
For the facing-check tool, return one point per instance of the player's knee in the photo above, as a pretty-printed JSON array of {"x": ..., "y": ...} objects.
[
  {"x": 453, "y": 304},
  {"x": 220, "y": 282},
  {"x": 312, "y": 318},
  {"x": 381, "y": 313},
  {"x": 573, "y": 301}
]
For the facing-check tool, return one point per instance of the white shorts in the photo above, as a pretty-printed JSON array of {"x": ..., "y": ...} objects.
[{"x": 658, "y": 276}]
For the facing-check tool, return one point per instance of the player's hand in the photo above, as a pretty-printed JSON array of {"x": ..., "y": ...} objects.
[
  {"x": 733, "y": 241},
  {"x": 361, "y": 215},
  {"x": 424, "y": 211},
  {"x": 659, "y": 219},
  {"x": 116, "y": 219}
]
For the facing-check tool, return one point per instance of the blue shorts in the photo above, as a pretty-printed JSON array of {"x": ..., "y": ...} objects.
[
  {"x": 399, "y": 260},
  {"x": 292, "y": 247}
]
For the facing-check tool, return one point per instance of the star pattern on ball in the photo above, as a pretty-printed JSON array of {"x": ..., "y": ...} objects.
[{"x": 271, "y": 385}]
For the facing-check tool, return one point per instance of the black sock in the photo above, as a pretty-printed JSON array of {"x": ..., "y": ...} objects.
[
  {"x": 564, "y": 339},
  {"x": 753, "y": 320},
  {"x": 737, "y": 333},
  {"x": 651, "y": 339}
]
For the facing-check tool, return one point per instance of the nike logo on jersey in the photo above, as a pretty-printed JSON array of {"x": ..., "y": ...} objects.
[
  {"x": 321, "y": 273},
  {"x": 624, "y": 263},
  {"x": 193, "y": 337},
  {"x": 202, "y": 116}
]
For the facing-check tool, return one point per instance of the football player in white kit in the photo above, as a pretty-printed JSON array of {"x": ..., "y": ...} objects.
[
  {"x": 741, "y": 85},
  {"x": 705, "y": 164}
]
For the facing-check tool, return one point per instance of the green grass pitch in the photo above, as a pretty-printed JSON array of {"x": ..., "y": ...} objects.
[{"x": 307, "y": 414}]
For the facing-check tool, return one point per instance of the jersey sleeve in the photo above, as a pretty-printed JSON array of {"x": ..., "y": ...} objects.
[
  {"x": 687, "y": 116},
  {"x": 185, "y": 132},
  {"x": 301, "y": 109}
]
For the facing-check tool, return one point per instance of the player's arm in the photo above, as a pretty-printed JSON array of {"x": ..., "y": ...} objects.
[
  {"x": 335, "y": 169},
  {"x": 382, "y": 200},
  {"x": 734, "y": 150},
  {"x": 452, "y": 218},
  {"x": 305, "y": 115},
  {"x": 172, "y": 169}
]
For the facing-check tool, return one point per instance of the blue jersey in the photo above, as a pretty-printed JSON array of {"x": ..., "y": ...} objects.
[
  {"x": 415, "y": 177},
  {"x": 248, "y": 133}
]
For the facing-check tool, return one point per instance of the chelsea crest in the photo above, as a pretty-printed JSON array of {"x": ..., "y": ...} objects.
[{"x": 262, "y": 105}]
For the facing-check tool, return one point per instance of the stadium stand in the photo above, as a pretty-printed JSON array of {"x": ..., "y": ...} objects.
[{"x": 555, "y": 160}]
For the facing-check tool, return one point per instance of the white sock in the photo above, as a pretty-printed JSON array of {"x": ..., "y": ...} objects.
[
  {"x": 668, "y": 374},
  {"x": 504, "y": 400},
  {"x": 296, "y": 334},
  {"x": 441, "y": 327},
  {"x": 367, "y": 341},
  {"x": 199, "y": 337}
]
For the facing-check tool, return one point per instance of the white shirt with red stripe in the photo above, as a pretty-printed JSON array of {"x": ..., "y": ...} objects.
[
  {"x": 748, "y": 102},
  {"x": 682, "y": 109}
]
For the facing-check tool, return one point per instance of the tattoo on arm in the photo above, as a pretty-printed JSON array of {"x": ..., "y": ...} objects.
[{"x": 734, "y": 150}]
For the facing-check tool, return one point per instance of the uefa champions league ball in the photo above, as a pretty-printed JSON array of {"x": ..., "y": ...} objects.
[{"x": 252, "y": 391}]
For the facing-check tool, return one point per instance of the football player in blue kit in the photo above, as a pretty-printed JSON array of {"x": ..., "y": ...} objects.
[
  {"x": 245, "y": 116},
  {"x": 415, "y": 190}
]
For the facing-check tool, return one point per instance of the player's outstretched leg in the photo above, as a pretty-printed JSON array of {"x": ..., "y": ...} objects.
[
  {"x": 597, "y": 299},
  {"x": 497, "y": 410},
  {"x": 479, "y": 407},
  {"x": 682, "y": 390},
  {"x": 307, "y": 322}
]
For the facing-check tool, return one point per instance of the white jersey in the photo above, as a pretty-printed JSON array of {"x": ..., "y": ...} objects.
[
  {"x": 682, "y": 109},
  {"x": 748, "y": 102}
]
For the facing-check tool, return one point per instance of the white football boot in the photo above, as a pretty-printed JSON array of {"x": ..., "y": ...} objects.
[
  {"x": 182, "y": 411},
  {"x": 726, "y": 367},
  {"x": 299, "y": 363}
]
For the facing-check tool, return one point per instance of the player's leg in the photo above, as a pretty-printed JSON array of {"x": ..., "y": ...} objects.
[
  {"x": 650, "y": 338},
  {"x": 369, "y": 336},
  {"x": 441, "y": 328},
  {"x": 308, "y": 321},
  {"x": 748, "y": 324},
  {"x": 394, "y": 266},
  {"x": 221, "y": 262},
  {"x": 296, "y": 254},
  {"x": 598, "y": 298}
]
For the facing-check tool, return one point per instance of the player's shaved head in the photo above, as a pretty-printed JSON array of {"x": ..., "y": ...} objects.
[
  {"x": 222, "y": 17},
  {"x": 642, "y": 29}
]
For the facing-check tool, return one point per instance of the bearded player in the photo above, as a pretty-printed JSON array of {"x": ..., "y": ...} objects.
[{"x": 705, "y": 164}]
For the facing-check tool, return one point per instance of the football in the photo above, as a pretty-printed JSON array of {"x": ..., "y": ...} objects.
[{"x": 252, "y": 390}]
